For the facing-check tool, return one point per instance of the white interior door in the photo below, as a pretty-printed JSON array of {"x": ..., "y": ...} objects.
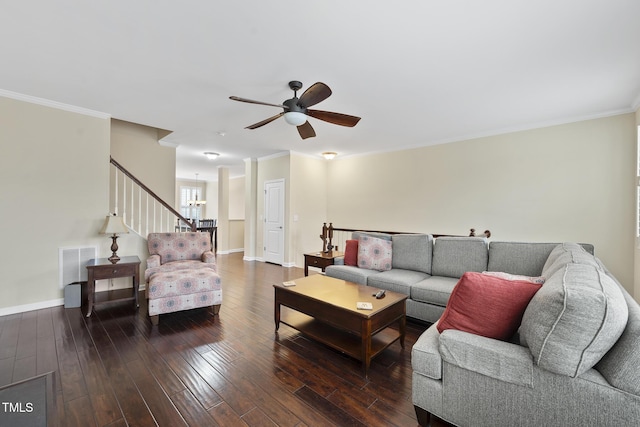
[{"x": 274, "y": 221}]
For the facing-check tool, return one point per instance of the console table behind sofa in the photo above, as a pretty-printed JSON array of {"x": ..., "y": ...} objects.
[{"x": 341, "y": 235}]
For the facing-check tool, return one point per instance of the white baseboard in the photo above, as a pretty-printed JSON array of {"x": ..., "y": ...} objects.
[
  {"x": 230, "y": 251},
  {"x": 30, "y": 307}
]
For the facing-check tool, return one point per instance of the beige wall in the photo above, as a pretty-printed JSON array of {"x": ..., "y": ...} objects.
[
  {"x": 136, "y": 148},
  {"x": 236, "y": 235},
  {"x": 211, "y": 194},
  {"x": 308, "y": 205},
  {"x": 573, "y": 182},
  {"x": 54, "y": 181},
  {"x": 236, "y": 198}
]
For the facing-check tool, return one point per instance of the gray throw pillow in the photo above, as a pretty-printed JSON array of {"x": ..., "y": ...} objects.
[
  {"x": 574, "y": 319},
  {"x": 565, "y": 253}
]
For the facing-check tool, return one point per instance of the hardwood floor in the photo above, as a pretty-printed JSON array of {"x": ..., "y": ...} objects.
[{"x": 116, "y": 369}]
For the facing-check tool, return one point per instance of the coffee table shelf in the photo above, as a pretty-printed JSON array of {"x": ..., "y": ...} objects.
[{"x": 343, "y": 341}]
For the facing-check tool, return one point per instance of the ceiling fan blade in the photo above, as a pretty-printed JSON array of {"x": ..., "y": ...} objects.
[
  {"x": 306, "y": 130},
  {"x": 335, "y": 118},
  {"x": 264, "y": 122},
  {"x": 251, "y": 101},
  {"x": 316, "y": 93}
]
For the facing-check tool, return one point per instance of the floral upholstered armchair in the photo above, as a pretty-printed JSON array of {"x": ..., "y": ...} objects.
[{"x": 181, "y": 273}]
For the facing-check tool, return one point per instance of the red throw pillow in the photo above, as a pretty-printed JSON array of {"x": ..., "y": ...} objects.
[
  {"x": 351, "y": 253},
  {"x": 486, "y": 305}
]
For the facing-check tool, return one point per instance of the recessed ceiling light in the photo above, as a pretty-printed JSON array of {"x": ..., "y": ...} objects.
[
  {"x": 329, "y": 155},
  {"x": 211, "y": 156}
]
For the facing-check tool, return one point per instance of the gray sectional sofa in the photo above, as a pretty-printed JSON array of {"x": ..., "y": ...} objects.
[
  {"x": 575, "y": 360},
  {"x": 427, "y": 269}
]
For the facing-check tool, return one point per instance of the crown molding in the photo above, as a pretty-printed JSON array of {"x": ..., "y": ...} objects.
[{"x": 54, "y": 104}]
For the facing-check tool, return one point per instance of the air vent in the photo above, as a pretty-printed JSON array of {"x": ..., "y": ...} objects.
[{"x": 73, "y": 264}]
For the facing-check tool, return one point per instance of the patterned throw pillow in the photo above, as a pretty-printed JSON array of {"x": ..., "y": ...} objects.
[{"x": 374, "y": 253}]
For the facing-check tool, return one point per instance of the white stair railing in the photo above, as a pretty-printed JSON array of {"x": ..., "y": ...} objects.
[{"x": 142, "y": 210}]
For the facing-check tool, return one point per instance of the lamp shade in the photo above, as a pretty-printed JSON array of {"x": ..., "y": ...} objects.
[
  {"x": 295, "y": 118},
  {"x": 114, "y": 225}
]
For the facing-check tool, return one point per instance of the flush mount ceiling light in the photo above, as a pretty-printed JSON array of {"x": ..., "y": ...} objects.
[
  {"x": 329, "y": 155},
  {"x": 211, "y": 155}
]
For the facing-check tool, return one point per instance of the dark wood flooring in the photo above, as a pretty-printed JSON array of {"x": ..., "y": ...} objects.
[{"x": 116, "y": 369}]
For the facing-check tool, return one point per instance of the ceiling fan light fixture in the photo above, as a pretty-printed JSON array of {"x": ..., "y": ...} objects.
[
  {"x": 295, "y": 118},
  {"x": 211, "y": 155},
  {"x": 329, "y": 155}
]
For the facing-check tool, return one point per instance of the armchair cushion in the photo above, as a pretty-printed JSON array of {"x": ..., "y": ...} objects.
[
  {"x": 178, "y": 246},
  {"x": 176, "y": 266},
  {"x": 170, "y": 252}
]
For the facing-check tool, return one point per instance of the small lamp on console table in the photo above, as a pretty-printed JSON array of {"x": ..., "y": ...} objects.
[{"x": 114, "y": 225}]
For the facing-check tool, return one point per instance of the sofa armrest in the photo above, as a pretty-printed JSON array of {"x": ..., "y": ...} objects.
[
  {"x": 153, "y": 261},
  {"x": 209, "y": 258},
  {"x": 338, "y": 260},
  {"x": 496, "y": 359},
  {"x": 425, "y": 354}
]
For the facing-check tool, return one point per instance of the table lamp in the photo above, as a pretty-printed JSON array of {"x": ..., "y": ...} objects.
[{"x": 114, "y": 225}]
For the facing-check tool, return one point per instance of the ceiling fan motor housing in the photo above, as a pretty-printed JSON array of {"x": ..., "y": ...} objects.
[{"x": 293, "y": 106}]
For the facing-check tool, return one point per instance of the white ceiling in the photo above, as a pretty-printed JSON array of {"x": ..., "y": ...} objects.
[{"x": 417, "y": 72}]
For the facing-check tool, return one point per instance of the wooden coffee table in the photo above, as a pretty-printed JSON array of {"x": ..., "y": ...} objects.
[{"x": 324, "y": 309}]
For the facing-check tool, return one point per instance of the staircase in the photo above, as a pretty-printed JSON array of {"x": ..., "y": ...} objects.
[{"x": 143, "y": 211}]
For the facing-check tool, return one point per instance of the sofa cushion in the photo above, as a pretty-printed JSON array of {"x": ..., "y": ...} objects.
[
  {"x": 565, "y": 253},
  {"x": 396, "y": 280},
  {"x": 351, "y": 252},
  {"x": 575, "y": 318},
  {"x": 357, "y": 234},
  {"x": 434, "y": 290},
  {"x": 350, "y": 273},
  {"x": 454, "y": 256},
  {"x": 523, "y": 258},
  {"x": 412, "y": 252},
  {"x": 487, "y": 305},
  {"x": 374, "y": 253},
  {"x": 494, "y": 359}
]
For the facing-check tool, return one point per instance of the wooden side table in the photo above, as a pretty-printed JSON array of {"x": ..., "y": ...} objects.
[
  {"x": 102, "y": 268},
  {"x": 320, "y": 259}
]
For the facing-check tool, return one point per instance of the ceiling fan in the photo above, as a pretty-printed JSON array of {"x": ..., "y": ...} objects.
[{"x": 297, "y": 109}]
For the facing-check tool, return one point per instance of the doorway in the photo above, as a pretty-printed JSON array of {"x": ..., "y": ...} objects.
[{"x": 274, "y": 221}]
